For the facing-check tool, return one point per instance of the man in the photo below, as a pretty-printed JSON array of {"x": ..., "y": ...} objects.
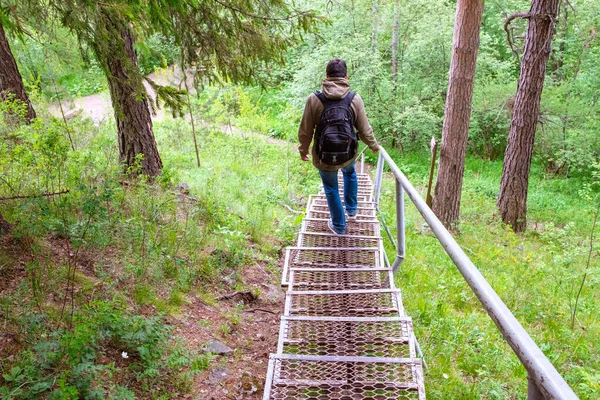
[{"x": 335, "y": 89}]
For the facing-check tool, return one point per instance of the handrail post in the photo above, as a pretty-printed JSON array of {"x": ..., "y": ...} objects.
[
  {"x": 399, "y": 226},
  {"x": 362, "y": 162},
  {"x": 533, "y": 392},
  {"x": 378, "y": 179}
]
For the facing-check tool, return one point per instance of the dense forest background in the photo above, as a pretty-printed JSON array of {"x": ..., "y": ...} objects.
[{"x": 96, "y": 263}]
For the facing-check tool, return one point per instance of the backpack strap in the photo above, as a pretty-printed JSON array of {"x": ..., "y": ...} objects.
[
  {"x": 321, "y": 96},
  {"x": 349, "y": 97}
]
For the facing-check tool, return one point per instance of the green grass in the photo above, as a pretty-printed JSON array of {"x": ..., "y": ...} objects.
[
  {"x": 148, "y": 247},
  {"x": 153, "y": 247},
  {"x": 534, "y": 273}
]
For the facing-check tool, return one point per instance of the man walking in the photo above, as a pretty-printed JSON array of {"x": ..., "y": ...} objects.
[{"x": 330, "y": 117}]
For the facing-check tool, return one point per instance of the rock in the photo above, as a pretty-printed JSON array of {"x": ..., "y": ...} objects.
[
  {"x": 183, "y": 188},
  {"x": 217, "y": 347},
  {"x": 217, "y": 375},
  {"x": 273, "y": 294}
]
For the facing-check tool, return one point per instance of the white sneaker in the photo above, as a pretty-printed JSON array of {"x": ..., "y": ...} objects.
[{"x": 351, "y": 217}]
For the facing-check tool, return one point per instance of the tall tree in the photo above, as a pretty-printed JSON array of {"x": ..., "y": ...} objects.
[
  {"x": 512, "y": 198},
  {"x": 395, "y": 44},
  {"x": 11, "y": 82},
  {"x": 130, "y": 102},
  {"x": 465, "y": 45},
  {"x": 229, "y": 40}
]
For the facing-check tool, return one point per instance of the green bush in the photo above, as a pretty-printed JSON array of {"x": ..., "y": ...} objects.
[{"x": 75, "y": 364}]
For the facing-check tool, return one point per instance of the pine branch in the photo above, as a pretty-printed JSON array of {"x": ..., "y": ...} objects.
[
  {"x": 264, "y": 18},
  {"x": 172, "y": 97}
]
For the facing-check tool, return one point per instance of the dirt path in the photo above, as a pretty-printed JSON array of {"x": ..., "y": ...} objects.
[{"x": 98, "y": 106}]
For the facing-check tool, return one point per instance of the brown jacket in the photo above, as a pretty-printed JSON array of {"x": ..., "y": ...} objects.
[{"x": 333, "y": 88}]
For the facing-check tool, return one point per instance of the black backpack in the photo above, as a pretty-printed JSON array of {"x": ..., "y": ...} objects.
[{"x": 335, "y": 140}]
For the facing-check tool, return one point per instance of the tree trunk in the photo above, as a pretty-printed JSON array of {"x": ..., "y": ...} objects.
[
  {"x": 374, "y": 33},
  {"x": 512, "y": 199},
  {"x": 395, "y": 45},
  {"x": 11, "y": 82},
  {"x": 5, "y": 227},
  {"x": 446, "y": 202},
  {"x": 130, "y": 101},
  {"x": 395, "y": 135}
]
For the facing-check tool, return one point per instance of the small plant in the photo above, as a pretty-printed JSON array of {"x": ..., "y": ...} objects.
[{"x": 225, "y": 329}]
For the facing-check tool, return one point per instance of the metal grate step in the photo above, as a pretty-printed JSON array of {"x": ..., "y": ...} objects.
[
  {"x": 344, "y": 336},
  {"x": 323, "y": 257},
  {"x": 363, "y": 195},
  {"x": 362, "y": 211},
  {"x": 320, "y": 377},
  {"x": 318, "y": 239},
  {"x": 355, "y": 227},
  {"x": 340, "y": 279},
  {"x": 351, "y": 303},
  {"x": 324, "y": 214},
  {"x": 321, "y": 201},
  {"x": 364, "y": 198}
]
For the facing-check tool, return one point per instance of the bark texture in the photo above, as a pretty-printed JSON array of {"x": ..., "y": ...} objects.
[
  {"x": 11, "y": 81},
  {"x": 465, "y": 45},
  {"x": 130, "y": 102},
  {"x": 512, "y": 199}
]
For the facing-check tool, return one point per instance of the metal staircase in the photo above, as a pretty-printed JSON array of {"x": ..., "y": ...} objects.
[{"x": 344, "y": 333}]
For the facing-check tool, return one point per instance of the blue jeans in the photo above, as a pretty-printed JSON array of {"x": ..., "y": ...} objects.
[{"x": 330, "y": 186}]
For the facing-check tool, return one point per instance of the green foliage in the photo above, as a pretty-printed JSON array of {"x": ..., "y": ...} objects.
[
  {"x": 536, "y": 274},
  {"x": 75, "y": 364},
  {"x": 154, "y": 246},
  {"x": 407, "y": 115},
  {"x": 155, "y": 52},
  {"x": 490, "y": 120},
  {"x": 249, "y": 108},
  {"x": 54, "y": 67}
]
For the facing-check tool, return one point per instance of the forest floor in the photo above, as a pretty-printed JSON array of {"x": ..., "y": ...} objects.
[
  {"x": 247, "y": 322},
  {"x": 251, "y": 333},
  {"x": 249, "y": 326}
]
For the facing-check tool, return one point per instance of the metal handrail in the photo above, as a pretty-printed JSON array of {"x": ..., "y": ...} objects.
[{"x": 544, "y": 381}]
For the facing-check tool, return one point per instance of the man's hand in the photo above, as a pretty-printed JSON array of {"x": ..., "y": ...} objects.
[
  {"x": 304, "y": 158},
  {"x": 376, "y": 150}
]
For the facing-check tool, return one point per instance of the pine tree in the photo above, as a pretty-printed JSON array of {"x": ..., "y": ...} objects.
[
  {"x": 11, "y": 82},
  {"x": 224, "y": 39},
  {"x": 446, "y": 201},
  {"x": 512, "y": 198}
]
